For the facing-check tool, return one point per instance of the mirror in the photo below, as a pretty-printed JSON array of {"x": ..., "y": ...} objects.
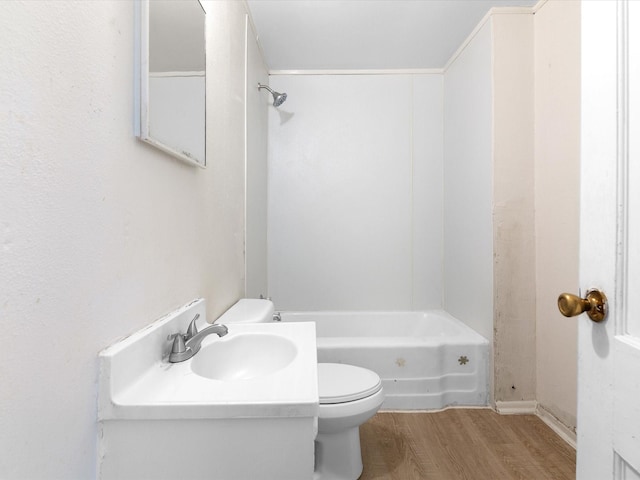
[{"x": 171, "y": 93}]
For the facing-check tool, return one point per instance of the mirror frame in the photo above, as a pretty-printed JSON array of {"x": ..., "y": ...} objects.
[{"x": 141, "y": 94}]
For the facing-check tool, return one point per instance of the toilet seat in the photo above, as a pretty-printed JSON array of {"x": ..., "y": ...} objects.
[{"x": 339, "y": 383}]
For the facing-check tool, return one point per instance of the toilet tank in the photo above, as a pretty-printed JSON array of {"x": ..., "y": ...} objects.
[{"x": 248, "y": 310}]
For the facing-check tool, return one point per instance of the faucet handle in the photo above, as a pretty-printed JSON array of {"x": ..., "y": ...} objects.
[
  {"x": 192, "y": 329},
  {"x": 178, "y": 344}
]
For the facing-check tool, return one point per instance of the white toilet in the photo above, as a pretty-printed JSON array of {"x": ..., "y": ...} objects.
[{"x": 349, "y": 396}]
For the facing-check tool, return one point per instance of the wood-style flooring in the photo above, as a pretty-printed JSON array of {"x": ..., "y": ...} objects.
[{"x": 473, "y": 444}]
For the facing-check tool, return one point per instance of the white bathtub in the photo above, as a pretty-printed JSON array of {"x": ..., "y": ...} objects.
[{"x": 427, "y": 360}]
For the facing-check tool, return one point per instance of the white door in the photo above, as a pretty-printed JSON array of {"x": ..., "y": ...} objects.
[{"x": 609, "y": 352}]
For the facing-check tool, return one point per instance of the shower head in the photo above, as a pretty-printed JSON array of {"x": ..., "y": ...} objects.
[{"x": 278, "y": 98}]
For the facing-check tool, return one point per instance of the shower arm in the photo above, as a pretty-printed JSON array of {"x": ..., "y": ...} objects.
[{"x": 267, "y": 87}]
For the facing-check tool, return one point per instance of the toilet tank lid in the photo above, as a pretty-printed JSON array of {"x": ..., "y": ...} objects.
[{"x": 248, "y": 310}]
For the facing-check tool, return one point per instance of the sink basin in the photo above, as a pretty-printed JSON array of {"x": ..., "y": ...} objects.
[{"x": 243, "y": 356}]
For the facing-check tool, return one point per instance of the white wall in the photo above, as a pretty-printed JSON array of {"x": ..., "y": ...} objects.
[
  {"x": 100, "y": 233},
  {"x": 468, "y": 185},
  {"x": 355, "y": 192},
  {"x": 557, "y": 184}
]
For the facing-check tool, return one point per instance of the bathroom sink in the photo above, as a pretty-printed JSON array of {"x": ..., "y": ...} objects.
[
  {"x": 261, "y": 370},
  {"x": 243, "y": 356}
]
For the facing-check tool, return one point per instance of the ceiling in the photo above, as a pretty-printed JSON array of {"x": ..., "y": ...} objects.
[{"x": 366, "y": 34}]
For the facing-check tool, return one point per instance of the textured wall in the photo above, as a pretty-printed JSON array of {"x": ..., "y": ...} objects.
[
  {"x": 513, "y": 208},
  {"x": 100, "y": 234}
]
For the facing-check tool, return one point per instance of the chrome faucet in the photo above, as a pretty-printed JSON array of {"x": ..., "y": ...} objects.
[{"x": 187, "y": 345}]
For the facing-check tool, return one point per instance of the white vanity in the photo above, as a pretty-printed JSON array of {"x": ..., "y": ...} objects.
[{"x": 245, "y": 406}]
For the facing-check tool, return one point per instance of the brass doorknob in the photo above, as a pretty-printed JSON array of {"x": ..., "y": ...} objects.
[{"x": 594, "y": 303}]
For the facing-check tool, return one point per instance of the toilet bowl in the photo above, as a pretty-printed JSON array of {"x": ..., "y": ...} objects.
[{"x": 349, "y": 396}]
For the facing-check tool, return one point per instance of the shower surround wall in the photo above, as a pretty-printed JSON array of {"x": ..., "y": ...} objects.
[
  {"x": 468, "y": 235},
  {"x": 355, "y": 192}
]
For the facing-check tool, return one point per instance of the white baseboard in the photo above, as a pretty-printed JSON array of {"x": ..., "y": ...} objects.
[
  {"x": 531, "y": 407},
  {"x": 436, "y": 410},
  {"x": 520, "y": 407},
  {"x": 564, "y": 432}
]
